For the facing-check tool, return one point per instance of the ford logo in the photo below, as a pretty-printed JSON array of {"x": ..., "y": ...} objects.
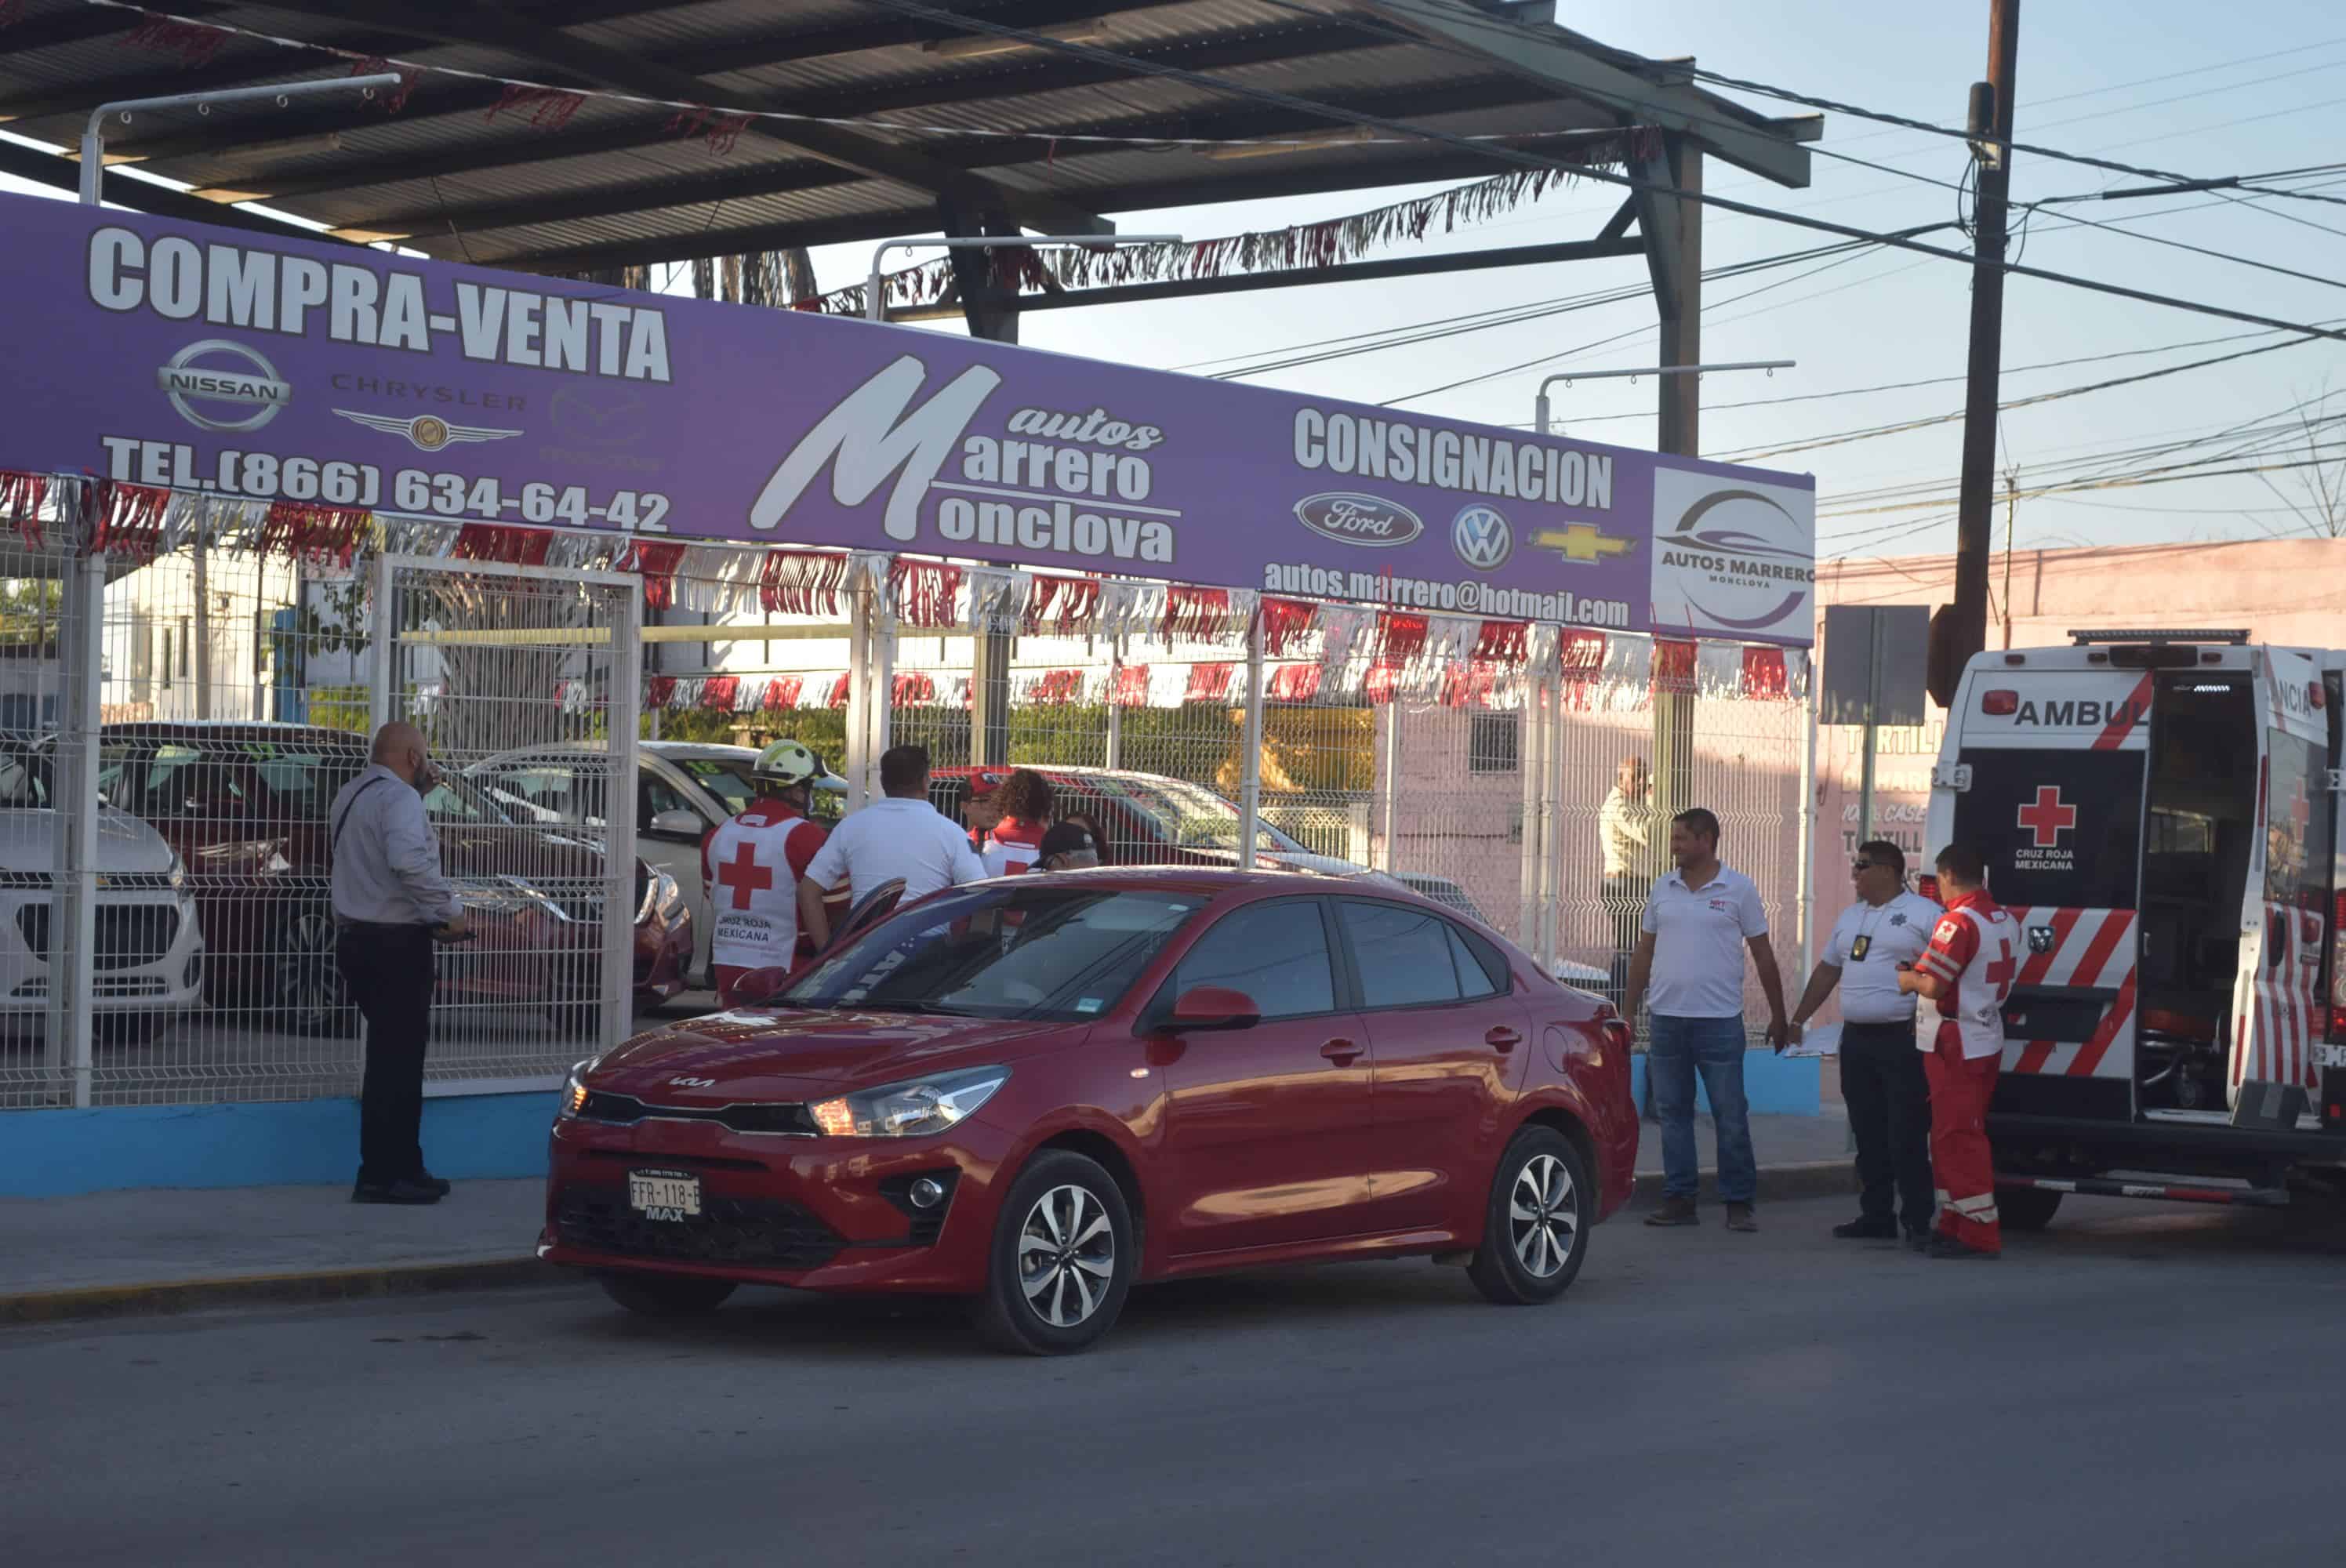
[{"x": 1351, "y": 518}]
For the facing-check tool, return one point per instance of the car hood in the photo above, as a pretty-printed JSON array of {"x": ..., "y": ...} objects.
[
  {"x": 752, "y": 1053},
  {"x": 28, "y": 843}
]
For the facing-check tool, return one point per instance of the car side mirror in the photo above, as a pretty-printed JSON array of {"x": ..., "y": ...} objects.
[
  {"x": 761, "y": 986},
  {"x": 675, "y": 824},
  {"x": 1209, "y": 1008}
]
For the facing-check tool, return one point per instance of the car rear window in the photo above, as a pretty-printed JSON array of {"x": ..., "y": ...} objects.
[{"x": 1402, "y": 954}]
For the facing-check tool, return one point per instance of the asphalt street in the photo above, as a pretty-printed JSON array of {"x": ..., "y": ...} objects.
[{"x": 2137, "y": 1386}]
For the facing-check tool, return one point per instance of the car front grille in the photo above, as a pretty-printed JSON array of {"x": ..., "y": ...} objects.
[
  {"x": 758, "y": 1233},
  {"x": 129, "y": 936},
  {"x": 602, "y": 1105}
]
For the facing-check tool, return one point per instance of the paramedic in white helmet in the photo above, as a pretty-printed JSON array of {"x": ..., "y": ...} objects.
[
  {"x": 1967, "y": 969},
  {"x": 751, "y": 865}
]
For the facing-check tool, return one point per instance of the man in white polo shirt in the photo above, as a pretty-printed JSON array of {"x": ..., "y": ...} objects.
[
  {"x": 1699, "y": 923},
  {"x": 900, "y": 835},
  {"x": 1881, "y": 1078}
]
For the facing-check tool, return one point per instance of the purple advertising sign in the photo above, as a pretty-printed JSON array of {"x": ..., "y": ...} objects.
[{"x": 163, "y": 352}]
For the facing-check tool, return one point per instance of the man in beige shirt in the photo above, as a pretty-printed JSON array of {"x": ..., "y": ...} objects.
[{"x": 1625, "y": 832}]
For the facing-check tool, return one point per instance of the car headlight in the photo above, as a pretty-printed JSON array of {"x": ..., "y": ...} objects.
[
  {"x": 574, "y": 1088},
  {"x": 912, "y": 1109}
]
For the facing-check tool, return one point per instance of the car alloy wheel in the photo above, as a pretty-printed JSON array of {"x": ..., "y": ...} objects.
[
  {"x": 1066, "y": 1256},
  {"x": 1062, "y": 1259},
  {"x": 1542, "y": 1217},
  {"x": 1535, "y": 1230},
  {"x": 310, "y": 994}
]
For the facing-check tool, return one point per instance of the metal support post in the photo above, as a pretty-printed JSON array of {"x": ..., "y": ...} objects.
[
  {"x": 880, "y": 710},
  {"x": 1531, "y": 757},
  {"x": 382, "y": 644},
  {"x": 1391, "y": 780},
  {"x": 73, "y": 933},
  {"x": 1872, "y": 733},
  {"x": 1251, "y": 788},
  {"x": 1810, "y": 830},
  {"x": 620, "y": 827},
  {"x": 859, "y": 762},
  {"x": 1114, "y": 708}
]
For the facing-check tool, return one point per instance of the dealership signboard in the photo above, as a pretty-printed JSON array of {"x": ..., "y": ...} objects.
[{"x": 168, "y": 353}]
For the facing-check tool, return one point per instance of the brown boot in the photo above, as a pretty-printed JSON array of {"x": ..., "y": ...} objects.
[
  {"x": 1674, "y": 1211},
  {"x": 1739, "y": 1217}
]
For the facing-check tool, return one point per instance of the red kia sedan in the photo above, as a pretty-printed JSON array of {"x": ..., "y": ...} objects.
[{"x": 1038, "y": 1092}]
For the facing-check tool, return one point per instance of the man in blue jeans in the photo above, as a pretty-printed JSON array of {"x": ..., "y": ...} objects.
[{"x": 1699, "y": 922}]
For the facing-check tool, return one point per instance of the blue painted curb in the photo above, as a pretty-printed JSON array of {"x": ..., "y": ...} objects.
[
  {"x": 1775, "y": 1085},
  {"x": 58, "y": 1152}
]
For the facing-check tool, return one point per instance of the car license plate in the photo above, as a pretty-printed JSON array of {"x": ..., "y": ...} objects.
[{"x": 664, "y": 1195}]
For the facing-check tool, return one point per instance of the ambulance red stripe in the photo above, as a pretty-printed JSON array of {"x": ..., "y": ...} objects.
[
  {"x": 2105, "y": 1033},
  {"x": 2032, "y": 1058},
  {"x": 2116, "y": 925},
  {"x": 2137, "y": 705}
]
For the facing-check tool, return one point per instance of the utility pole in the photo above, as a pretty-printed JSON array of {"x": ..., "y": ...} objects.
[{"x": 1965, "y": 630}]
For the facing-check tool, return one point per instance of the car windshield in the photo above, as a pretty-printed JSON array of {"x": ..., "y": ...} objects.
[
  {"x": 728, "y": 779},
  {"x": 1057, "y": 952},
  {"x": 1191, "y": 816},
  {"x": 24, "y": 778}
]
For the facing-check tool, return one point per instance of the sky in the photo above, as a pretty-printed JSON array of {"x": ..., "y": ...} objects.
[{"x": 2199, "y": 90}]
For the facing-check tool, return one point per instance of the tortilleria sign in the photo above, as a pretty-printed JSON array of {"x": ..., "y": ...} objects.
[{"x": 162, "y": 352}]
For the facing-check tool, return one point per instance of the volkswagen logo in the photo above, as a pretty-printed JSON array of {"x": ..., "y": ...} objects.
[
  {"x": 1481, "y": 536},
  {"x": 197, "y": 390}
]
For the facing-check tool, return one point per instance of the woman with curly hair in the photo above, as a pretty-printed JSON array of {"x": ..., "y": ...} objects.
[{"x": 1016, "y": 842}]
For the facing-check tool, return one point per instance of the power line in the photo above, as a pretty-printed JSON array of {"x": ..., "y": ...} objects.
[{"x": 1532, "y": 160}]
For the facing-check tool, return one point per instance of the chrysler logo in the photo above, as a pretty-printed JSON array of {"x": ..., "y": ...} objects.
[
  {"x": 1351, "y": 518},
  {"x": 426, "y": 431},
  {"x": 1482, "y": 537},
  {"x": 195, "y": 388}
]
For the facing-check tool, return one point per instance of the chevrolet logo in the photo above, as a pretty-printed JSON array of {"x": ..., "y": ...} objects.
[{"x": 1582, "y": 541}]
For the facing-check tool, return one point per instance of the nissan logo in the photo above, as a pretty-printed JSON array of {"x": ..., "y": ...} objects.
[
  {"x": 1481, "y": 536},
  {"x": 1352, "y": 518},
  {"x": 255, "y": 385}
]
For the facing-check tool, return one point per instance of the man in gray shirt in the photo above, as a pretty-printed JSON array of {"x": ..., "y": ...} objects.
[{"x": 390, "y": 899}]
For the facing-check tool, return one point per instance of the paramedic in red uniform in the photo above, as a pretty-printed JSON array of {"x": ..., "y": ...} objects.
[
  {"x": 751, "y": 865},
  {"x": 1015, "y": 842},
  {"x": 1968, "y": 970}
]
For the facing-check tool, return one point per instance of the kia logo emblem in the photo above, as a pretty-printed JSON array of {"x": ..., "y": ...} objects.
[
  {"x": 1351, "y": 518},
  {"x": 1482, "y": 538}
]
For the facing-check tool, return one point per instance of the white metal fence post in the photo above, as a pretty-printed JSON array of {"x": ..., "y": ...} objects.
[
  {"x": 1531, "y": 760},
  {"x": 73, "y": 931},
  {"x": 1250, "y": 792},
  {"x": 621, "y": 701},
  {"x": 1808, "y": 836},
  {"x": 383, "y": 641},
  {"x": 860, "y": 760}
]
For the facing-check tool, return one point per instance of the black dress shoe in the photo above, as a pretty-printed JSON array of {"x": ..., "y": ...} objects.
[
  {"x": 405, "y": 1190},
  {"x": 1946, "y": 1246},
  {"x": 437, "y": 1184},
  {"x": 1918, "y": 1240},
  {"x": 1863, "y": 1229}
]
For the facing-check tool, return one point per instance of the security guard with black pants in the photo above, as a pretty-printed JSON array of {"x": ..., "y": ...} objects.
[{"x": 1881, "y": 1078}]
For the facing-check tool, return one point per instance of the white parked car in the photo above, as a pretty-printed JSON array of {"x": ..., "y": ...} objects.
[
  {"x": 683, "y": 789},
  {"x": 149, "y": 967}
]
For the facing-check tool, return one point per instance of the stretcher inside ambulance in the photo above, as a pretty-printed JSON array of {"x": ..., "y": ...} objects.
[{"x": 2159, "y": 811}]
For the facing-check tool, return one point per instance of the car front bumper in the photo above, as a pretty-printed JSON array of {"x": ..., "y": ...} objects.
[{"x": 816, "y": 1214}]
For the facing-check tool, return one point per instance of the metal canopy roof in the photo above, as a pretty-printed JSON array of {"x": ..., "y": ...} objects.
[{"x": 455, "y": 173}]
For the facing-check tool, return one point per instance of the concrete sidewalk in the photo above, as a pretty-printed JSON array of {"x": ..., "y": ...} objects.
[{"x": 159, "y": 1249}]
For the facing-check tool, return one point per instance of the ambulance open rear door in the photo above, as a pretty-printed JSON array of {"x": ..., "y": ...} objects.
[{"x": 2278, "y": 1019}]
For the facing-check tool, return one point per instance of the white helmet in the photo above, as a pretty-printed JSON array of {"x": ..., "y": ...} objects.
[{"x": 787, "y": 762}]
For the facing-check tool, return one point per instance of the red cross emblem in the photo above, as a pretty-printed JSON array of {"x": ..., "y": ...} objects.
[
  {"x": 2048, "y": 818},
  {"x": 2000, "y": 973},
  {"x": 744, "y": 875}
]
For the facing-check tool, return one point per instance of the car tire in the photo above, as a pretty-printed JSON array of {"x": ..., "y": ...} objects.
[
  {"x": 668, "y": 1295},
  {"x": 1541, "y": 1201},
  {"x": 310, "y": 993},
  {"x": 1073, "y": 1296},
  {"x": 2026, "y": 1208}
]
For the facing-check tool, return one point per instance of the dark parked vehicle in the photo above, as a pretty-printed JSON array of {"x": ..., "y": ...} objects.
[
  {"x": 245, "y": 806},
  {"x": 1038, "y": 1091}
]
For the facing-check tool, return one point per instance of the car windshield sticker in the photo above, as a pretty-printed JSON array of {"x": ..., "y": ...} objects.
[{"x": 1087, "y": 1005}]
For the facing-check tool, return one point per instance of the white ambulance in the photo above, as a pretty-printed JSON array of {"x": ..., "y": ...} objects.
[{"x": 2160, "y": 811}]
